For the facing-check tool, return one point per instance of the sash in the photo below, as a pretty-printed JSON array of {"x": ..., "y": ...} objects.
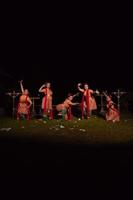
[
  {"x": 87, "y": 100},
  {"x": 45, "y": 102}
]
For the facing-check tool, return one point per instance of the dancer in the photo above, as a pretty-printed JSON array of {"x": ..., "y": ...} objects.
[
  {"x": 112, "y": 113},
  {"x": 47, "y": 100},
  {"x": 65, "y": 108},
  {"x": 24, "y": 103},
  {"x": 88, "y": 101}
]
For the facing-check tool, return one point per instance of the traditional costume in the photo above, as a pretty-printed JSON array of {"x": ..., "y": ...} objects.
[
  {"x": 47, "y": 101},
  {"x": 88, "y": 101},
  {"x": 112, "y": 113},
  {"x": 65, "y": 109},
  {"x": 24, "y": 104},
  {"x": 24, "y": 107}
]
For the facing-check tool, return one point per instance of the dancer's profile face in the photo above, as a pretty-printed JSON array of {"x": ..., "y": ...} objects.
[
  {"x": 26, "y": 92},
  {"x": 48, "y": 85},
  {"x": 70, "y": 98},
  {"x": 86, "y": 87}
]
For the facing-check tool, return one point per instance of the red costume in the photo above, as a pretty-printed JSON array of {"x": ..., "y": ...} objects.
[
  {"x": 23, "y": 107},
  {"x": 112, "y": 113}
]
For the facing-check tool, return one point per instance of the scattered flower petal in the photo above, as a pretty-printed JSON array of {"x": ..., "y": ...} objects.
[
  {"x": 5, "y": 129},
  {"x": 83, "y": 130},
  {"x": 40, "y": 120},
  {"x": 62, "y": 126}
]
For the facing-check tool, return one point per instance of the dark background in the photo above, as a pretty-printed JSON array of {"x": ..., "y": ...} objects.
[
  {"x": 67, "y": 48},
  {"x": 94, "y": 48},
  {"x": 102, "y": 70}
]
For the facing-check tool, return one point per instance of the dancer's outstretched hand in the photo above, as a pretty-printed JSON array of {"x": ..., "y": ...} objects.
[
  {"x": 21, "y": 81},
  {"x": 79, "y": 84},
  {"x": 97, "y": 92}
]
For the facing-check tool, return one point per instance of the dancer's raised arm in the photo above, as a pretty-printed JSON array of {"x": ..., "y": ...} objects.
[
  {"x": 79, "y": 88},
  {"x": 21, "y": 86},
  {"x": 42, "y": 88}
]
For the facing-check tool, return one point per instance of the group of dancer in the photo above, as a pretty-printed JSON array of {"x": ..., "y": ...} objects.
[{"x": 64, "y": 109}]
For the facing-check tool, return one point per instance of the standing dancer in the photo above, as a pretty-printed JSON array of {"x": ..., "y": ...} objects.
[
  {"x": 24, "y": 103},
  {"x": 88, "y": 101},
  {"x": 47, "y": 100},
  {"x": 65, "y": 109},
  {"x": 112, "y": 113}
]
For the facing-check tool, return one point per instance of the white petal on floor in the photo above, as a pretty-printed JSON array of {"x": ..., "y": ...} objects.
[
  {"x": 22, "y": 127},
  {"x": 83, "y": 130},
  {"x": 5, "y": 129},
  {"x": 62, "y": 126}
]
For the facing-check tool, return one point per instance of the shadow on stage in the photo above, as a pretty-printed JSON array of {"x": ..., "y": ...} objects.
[
  {"x": 40, "y": 158},
  {"x": 59, "y": 166}
]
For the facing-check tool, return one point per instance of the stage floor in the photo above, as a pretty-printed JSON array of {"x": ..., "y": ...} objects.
[
  {"x": 88, "y": 131},
  {"x": 67, "y": 152}
]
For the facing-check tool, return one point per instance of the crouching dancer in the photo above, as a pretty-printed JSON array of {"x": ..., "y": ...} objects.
[
  {"x": 65, "y": 109},
  {"x": 112, "y": 113}
]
